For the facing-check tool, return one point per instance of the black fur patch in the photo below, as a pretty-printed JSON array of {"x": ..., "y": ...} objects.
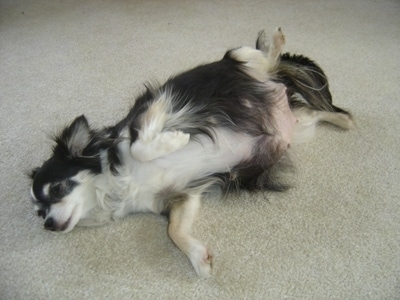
[
  {"x": 218, "y": 95},
  {"x": 215, "y": 95},
  {"x": 303, "y": 76}
]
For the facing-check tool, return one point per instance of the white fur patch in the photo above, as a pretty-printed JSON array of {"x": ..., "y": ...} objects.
[
  {"x": 46, "y": 189},
  {"x": 203, "y": 157},
  {"x": 259, "y": 63},
  {"x": 153, "y": 140},
  {"x": 162, "y": 144},
  {"x": 255, "y": 63}
]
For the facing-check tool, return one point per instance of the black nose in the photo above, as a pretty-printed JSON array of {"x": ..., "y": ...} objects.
[{"x": 49, "y": 224}]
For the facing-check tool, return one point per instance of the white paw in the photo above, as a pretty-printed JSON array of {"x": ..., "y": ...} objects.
[
  {"x": 172, "y": 141},
  {"x": 278, "y": 38},
  {"x": 278, "y": 41},
  {"x": 201, "y": 259},
  {"x": 162, "y": 144},
  {"x": 345, "y": 121}
]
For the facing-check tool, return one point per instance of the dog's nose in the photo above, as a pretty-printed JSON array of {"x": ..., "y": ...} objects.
[{"x": 49, "y": 224}]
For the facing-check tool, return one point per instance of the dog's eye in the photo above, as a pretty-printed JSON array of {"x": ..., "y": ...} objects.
[
  {"x": 60, "y": 189},
  {"x": 56, "y": 191}
]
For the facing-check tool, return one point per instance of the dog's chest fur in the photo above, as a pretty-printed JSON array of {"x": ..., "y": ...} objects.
[{"x": 136, "y": 185}]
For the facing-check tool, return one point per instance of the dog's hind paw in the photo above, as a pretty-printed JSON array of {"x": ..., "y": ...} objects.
[
  {"x": 201, "y": 259},
  {"x": 278, "y": 41}
]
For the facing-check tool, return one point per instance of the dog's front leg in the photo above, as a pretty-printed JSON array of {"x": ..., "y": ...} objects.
[
  {"x": 154, "y": 139},
  {"x": 183, "y": 210}
]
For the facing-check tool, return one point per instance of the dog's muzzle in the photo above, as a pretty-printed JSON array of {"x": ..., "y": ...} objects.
[
  {"x": 52, "y": 225},
  {"x": 49, "y": 224}
]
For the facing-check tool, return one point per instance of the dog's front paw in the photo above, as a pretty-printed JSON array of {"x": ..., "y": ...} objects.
[
  {"x": 172, "y": 141},
  {"x": 162, "y": 144},
  {"x": 201, "y": 259}
]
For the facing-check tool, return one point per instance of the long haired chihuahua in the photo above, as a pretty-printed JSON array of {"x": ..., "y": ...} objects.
[{"x": 227, "y": 123}]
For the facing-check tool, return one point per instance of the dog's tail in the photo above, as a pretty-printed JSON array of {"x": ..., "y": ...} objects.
[{"x": 307, "y": 84}]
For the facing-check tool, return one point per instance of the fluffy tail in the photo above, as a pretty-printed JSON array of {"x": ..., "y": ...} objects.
[
  {"x": 309, "y": 96},
  {"x": 307, "y": 84}
]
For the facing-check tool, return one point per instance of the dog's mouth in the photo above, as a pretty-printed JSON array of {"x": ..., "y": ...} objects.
[
  {"x": 54, "y": 225},
  {"x": 66, "y": 224}
]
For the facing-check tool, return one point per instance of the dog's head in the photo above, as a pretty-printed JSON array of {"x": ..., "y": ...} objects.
[{"x": 62, "y": 188}]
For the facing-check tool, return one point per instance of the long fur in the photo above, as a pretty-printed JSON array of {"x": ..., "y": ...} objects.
[{"x": 227, "y": 123}]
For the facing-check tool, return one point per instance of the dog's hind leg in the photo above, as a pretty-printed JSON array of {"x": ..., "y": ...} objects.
[
  {"x": 309, "y": 118},
  {"x": 263, "y": 41},
  {"x": 271, "y": 46},
  {"x": 256, "y": 62},
  {"x": 183, "y": 211}
]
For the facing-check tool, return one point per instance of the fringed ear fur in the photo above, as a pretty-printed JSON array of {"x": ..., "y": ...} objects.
[
  {"x": 75, "y": 138},
  {"x": 32, "y": 173}
]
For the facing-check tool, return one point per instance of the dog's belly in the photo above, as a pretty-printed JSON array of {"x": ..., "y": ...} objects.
[
  {"x": 138, "y": 183},
  {"x": 284, "y": 118},
  {"x": 203, "y": 156}
]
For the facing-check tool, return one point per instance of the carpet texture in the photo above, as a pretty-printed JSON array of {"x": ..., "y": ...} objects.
[{"x": 334, "y": 235}]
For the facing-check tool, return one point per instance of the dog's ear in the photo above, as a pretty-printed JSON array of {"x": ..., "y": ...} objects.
[
  {"x": 75, "y": 138},
  {"x": 33, "y": 173}
]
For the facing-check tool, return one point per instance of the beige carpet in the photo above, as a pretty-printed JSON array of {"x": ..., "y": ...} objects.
[{"x": 334, "y": 235}]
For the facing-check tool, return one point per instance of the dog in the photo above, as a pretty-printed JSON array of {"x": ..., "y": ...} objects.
[{"x": 227, "y": 123}]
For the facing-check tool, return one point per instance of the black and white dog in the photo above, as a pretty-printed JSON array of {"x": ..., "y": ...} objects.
[{"x": 226, "y": 123}]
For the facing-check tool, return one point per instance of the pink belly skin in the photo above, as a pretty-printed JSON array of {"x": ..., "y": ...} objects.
[{"x": 284, "y": 118}]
